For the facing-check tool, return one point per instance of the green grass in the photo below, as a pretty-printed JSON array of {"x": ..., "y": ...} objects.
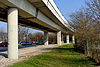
[{"x": 64, "y": 56}]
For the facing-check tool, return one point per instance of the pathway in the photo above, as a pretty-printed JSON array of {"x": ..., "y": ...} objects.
[{"x": 25, "y": 53}]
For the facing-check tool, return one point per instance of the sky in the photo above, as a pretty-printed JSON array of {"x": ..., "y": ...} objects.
[
  {"x": 65, "y": 6},
  {"x": 69, "y": 6}
]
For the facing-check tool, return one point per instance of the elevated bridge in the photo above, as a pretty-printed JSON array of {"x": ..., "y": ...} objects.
[{"x": 37, "y": 14}]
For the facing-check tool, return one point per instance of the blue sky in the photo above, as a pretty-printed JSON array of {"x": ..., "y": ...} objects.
[
  {"x": 68, "y": 6},
  {"x": 65, "y": 6}
]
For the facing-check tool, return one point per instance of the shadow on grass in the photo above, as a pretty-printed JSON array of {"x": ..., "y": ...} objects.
[
  {"x": 65, "y": 49},
  {"x": 91, "y": 59},
  {"x": 69, "y": 51},
  {"x": 78, "y": 61}
]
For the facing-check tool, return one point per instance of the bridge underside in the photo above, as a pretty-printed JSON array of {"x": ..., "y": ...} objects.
[
  {"x": 36, "y": 14},
  {"x": 33, "y": 17},
  {"x": 24, "y": 21}
]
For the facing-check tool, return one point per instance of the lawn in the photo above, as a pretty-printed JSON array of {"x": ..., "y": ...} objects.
[{"x": 63, "y": 56}]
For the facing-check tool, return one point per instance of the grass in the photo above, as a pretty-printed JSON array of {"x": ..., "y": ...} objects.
[{"x": 63, "y": 56}]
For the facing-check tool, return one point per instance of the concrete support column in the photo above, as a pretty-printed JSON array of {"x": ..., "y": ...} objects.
[
  {"x": 13, "y": 33},
  {"x": 59, "y": 38},
  {"x": 45, "y": 38},
  {"x": 73, "y": 39},
  {"x": 62, "y": 39},
  {"x": 67, "y": 39}
]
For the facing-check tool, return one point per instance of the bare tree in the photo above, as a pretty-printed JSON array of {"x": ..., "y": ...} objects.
[
  {"x": 94, "y": 14},
  {"x": 87, "y": 24},
  {"x": 38, "y": 36},
  {"x": 3, "y": 34},
  {"x": 52, "y": 38},
  {"x": 23, "y": 33}
]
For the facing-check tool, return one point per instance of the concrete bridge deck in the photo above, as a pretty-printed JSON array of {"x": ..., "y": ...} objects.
[{"x": 39, "y": 14}]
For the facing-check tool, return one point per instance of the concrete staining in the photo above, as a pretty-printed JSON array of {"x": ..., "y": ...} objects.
[
  {"x": 59, "y": 38},
  {"x": 45, "y": 38}
]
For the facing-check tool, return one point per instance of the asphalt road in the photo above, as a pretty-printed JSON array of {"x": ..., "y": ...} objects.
[{"x": 2, "y": 49}]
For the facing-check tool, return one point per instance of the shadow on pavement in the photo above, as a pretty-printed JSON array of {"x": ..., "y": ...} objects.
[{"x": 4, "y": 55}]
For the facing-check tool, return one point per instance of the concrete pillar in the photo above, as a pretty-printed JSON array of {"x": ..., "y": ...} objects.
[
  {"x": 13, "y": 33},
  {"x": 59, "y": 38},
  {"x": 73, "y": 39},
  {"x": 45, "y": 38},
  {"x": 62, "y": 40},
  {"x": 67, "y": 39}
]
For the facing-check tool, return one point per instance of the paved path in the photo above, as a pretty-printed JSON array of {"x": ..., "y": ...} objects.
[{"x": 25, "y": 53}]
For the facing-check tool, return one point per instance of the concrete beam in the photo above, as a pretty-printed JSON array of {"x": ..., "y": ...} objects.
[
  {"x": 13, "y": 33},
  {"x": 40, "y": 18},
  {"x": 53, "y": 8}
]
